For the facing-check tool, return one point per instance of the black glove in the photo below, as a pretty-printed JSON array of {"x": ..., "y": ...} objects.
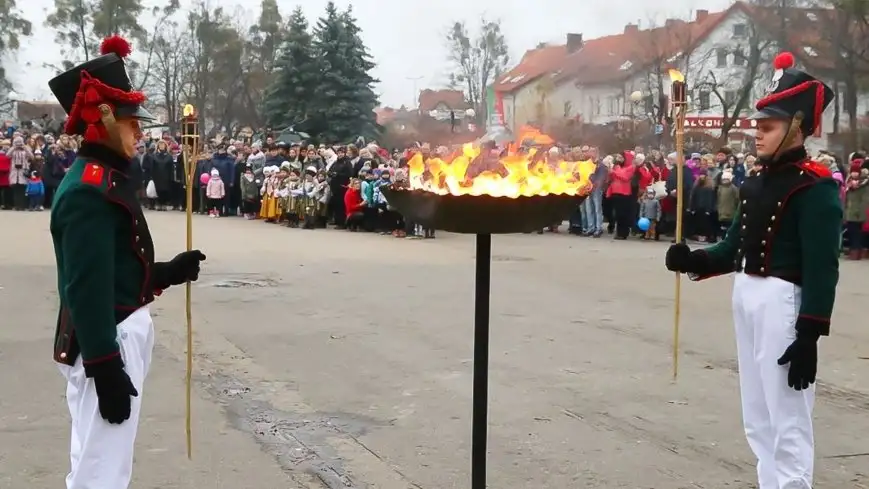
[
  {"x": 114, "y": 389},
  {"x": 681, "y": 259},
  {"x": 184, "y": 267},
  {"x": 802, "y": 355}
]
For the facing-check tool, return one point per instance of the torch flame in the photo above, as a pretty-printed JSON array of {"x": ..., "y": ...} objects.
[
  {"x": 518, "y": 174},
  {"x": 676, "y": 76},
  {"x": 188, "y": 110}
]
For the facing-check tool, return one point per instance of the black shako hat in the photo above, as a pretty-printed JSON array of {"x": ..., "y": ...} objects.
[
  {"x": 793, "y": 93},
  {"x": 99, "y": 81}
]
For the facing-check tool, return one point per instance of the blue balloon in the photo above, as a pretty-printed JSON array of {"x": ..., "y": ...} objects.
[{"x": 644, "y": 224}]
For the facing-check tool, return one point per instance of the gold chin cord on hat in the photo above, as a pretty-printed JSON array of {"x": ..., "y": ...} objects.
[
  {"x": 793, "y": 130},
  {"x": 111, "y": 125}
]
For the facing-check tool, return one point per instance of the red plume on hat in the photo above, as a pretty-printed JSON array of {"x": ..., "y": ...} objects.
[{"x": 92, "y": 93}]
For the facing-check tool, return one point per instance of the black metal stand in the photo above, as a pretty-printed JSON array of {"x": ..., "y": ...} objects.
[{"x": 479, "y": 425}]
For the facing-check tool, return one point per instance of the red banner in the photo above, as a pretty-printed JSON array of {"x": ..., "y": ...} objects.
[{"x": 705, "y": 123}]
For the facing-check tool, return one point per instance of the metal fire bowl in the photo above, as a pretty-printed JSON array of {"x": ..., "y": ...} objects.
[{"x": 482, "y": 214}]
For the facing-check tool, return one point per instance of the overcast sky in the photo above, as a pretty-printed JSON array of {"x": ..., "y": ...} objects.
[{"x": 406, "y": 37}]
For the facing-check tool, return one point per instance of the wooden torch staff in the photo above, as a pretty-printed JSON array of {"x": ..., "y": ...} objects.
[
  {"x": 678, "y": 102},
  {"x": 190, "y": 144}
]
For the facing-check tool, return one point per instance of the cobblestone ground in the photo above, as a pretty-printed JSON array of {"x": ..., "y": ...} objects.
[{"x": 330, "y": 359}]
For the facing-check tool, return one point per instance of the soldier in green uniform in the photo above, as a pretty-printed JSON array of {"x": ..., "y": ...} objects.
[
  {"x": 784, "y": 248},
  {"x": 106, "y": 270}
]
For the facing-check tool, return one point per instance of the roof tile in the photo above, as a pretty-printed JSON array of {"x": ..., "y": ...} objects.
[
  {"x": 534, "y": 63},
  {"x": 430, "y": 99}
]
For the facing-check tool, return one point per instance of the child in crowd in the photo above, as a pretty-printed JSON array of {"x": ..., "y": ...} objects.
[
  {"x": 386, "y": 221},
  {"x": 353, "y": 205},
  {"x": 650, "y": 208},
  {"x": 367, "y": 180},
  {"x": 727, "y": 197},
  {"x": 215, "y": 191},
  {"x": 307, "y": 200},
  {"x": 321, "y": 195},
  {"x": 701, "y": 205},
  {"x": 35, "y": 192},
  {"x": 249, "y": 193},
  {"x": 268, "y": 209},
  {"x": 856, "y": 207},
  {"x": 290, "y": 189}
]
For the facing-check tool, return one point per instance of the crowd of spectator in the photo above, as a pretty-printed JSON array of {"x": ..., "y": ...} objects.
[{"x": 634, "y": 191}]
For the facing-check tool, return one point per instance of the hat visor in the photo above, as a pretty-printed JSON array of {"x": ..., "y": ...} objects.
[
  {"x": 770, "y": 113},
  {"x": 134, "y": 112}
]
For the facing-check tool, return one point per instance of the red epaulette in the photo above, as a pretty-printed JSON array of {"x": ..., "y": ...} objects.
[
  {"x": 92, "y": 174},
  {"x": 816, "y": 169}
]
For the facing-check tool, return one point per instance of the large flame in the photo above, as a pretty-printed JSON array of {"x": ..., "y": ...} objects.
[{"x": 520, "y": 173}]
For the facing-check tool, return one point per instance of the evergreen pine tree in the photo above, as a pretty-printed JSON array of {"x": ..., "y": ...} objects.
[
  {"x": 345, "y": 99},
  {"x": 364, "y": 95},
  {"x": 288, "y": 99}
]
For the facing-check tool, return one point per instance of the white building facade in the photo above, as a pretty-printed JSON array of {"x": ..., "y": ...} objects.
[{"x": 716, "y": 70}]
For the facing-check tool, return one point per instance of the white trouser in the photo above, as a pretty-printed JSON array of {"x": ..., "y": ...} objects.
[
  {"x": 777, "y": 418},
  {"x": 101, "y": 454}
]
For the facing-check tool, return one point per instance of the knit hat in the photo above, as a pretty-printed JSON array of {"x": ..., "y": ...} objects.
[{"x": 215, "y": 173}]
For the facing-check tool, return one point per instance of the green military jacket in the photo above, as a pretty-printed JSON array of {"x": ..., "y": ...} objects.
[
  {"x": 104, "y": 254},
  {"x": 788, "y": 225}
]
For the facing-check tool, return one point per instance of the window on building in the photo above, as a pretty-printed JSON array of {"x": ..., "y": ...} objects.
[
  {"x": 597, "y": 106},
  {"x": 739, "y": 30},
  {"x": 730, "y": 97},
  {"x": 703, "y": 99},
  {"x": 614, "y": 105},
  {"x": 721, "y": 55},
  {"x": 739, "y": 57},
  {"x": 567, "y": 109}
]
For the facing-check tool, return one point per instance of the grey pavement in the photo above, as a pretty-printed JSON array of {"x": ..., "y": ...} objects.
[{"x": 332, "y": 359}]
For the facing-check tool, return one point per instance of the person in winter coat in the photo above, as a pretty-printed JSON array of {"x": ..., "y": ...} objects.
[
  {"x": 53, "y": 171},
  {"x": 21, "y": 157},
  {"x": 339, "y": 174},
  {"x": 234, "y": 200},
  {"x": 224, "y": 163},
  {"x": 35, "y": 192},
  {"x": 856, "y": 207},
  {"x": 727, "y": 201},
  {"x": 622, "y": 196},
  {"x": 216, "y": 192},
  {"x": 250, "y": 191},
  {"x": 701, "y": 207},
  {"x": 5, "y": 189},
  {"x": 203, "y": 166},
  {"x": 178, "y": 187},
  {"x": 650, "y": 208},
  {"x": 353, "y": 206},
  {"x": 672, "y": 191},
  {"x": 162, "y": 170},
  {"x": 257, "y": 161}
]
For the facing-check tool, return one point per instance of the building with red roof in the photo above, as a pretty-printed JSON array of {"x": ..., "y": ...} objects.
[{"x": 623, "y": 78}]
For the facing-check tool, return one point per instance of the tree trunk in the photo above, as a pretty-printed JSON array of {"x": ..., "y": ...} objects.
[{"x": 851, "y": 108}]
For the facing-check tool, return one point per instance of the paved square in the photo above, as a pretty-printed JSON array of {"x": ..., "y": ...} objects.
[{"x": 330, "y": 359}]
